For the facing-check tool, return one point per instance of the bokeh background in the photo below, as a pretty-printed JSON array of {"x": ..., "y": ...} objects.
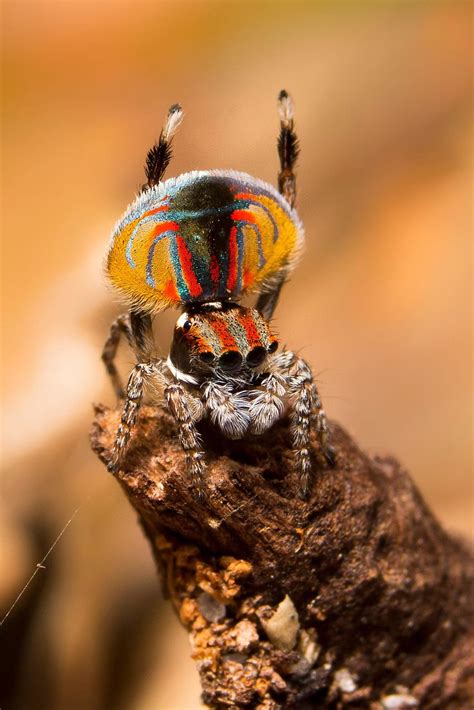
[{"x": 380, "y": 304}]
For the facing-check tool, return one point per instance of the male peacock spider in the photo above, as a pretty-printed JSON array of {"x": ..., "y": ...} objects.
[{"x": 200, "y": 242}]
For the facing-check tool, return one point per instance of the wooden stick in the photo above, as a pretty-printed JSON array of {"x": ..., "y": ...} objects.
[{"x": 355, "y": 598}]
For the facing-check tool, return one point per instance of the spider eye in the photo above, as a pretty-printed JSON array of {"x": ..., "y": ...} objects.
[
  {"x": 207, "y": 357},
  {"x": 256, "y": 356},
  {"x": 187, "y": 325},
  {"x": 273, "y": 346},
  {"x": 230, "y": 360}
]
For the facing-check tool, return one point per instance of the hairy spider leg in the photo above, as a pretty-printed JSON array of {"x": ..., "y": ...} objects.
[
  {"x": 187, "y": 410},
  {"x": 294, "y": 373},
  {"x": 137, "y": 325},
  {"x": 228, "y": 410},
  {"x": 142, "y": 373},
  {"x": 159, "y": 155},
  {"x": 288, "y": 151},
  {"x": 138, "y": 331},
  {"x": 120, "y": 326}
]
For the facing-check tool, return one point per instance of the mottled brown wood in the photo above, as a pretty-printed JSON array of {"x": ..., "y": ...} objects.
[{"x": 355, "y": 598}]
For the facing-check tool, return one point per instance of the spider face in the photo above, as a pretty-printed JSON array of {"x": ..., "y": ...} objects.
[{"x": 224, "y": 338}]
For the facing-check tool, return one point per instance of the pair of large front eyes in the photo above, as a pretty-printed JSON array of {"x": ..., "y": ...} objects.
[{"x": 232, "y": 359}]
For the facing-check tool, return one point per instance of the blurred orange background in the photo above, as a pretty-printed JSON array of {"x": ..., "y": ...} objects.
[{"x": 380, "y": 305}]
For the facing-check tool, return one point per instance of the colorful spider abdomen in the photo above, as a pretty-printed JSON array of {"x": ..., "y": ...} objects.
[{"x": 205, "y": 236}]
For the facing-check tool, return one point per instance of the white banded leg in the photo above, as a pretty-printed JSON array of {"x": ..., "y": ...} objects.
[
  {"x": 187, "y": 410},
  {"x": 139, "y": 376},
  {"x": 306, "y": 407},
  {"x": 301, "y": 386},
  {"x": 319, "y": 417}
]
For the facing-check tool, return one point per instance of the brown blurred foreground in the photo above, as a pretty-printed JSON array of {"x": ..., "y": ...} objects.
[{"x": 380, "y": 304}]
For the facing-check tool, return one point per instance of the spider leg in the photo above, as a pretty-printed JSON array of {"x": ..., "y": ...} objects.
[
  {"x": 159, "y": 155},
  {"x": 187, "y": 410},
  {"x": 301, "y": 414},
  {"x": 120, "y": 326},
  {"x": 266, "y": 407},
  {"x": 319, "y": 416},
  {"x": 288, "y": 151},
  {"x": 137, "y": 329},
  {"x": 228, "y": 410},
  {"x": 142, "y": 331},
  {"x": 306, "y": 400},
  {"x": 141, "y": 374}
]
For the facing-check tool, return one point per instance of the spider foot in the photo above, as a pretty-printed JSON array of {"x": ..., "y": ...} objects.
[
  {"x": 330, "y": 455},
  {"x": 112, "y": 466},
  {"x": 197, "y": 467},
  {"x": 305, "y": 475}
]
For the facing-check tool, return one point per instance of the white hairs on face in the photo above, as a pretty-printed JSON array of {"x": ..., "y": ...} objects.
[
  {"x": 181, "y": 376},
  {"x": 181, "y": 320}
]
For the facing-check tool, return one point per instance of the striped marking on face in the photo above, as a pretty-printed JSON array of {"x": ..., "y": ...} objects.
[
  {"x": 220, "y": 324},
  {"x": 256, "y": 330},
  {"x": 206, "y": 338},
  {"x": 239, "y": 329}
]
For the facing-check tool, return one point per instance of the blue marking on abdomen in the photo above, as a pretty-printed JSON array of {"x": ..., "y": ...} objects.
[
  {"x": 149, "y": 276},
  {"x": 145, "y": 220},
  {"x": 268, "y": 213},
  {"x": 181, "y": 286}
]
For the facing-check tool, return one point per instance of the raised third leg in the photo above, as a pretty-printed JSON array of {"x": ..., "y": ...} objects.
[{"x": 288, "y": 149}]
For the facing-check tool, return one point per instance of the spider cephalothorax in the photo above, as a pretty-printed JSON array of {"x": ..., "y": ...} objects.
[
  {"x": 201, "y": 241},
  {"x": 220, "y": 339}
]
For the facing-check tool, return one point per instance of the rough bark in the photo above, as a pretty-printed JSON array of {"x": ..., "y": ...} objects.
[{"x": 355, "y": 598}]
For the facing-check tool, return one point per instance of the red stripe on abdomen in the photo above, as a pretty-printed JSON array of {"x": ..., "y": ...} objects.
[
  {"x": 244, "y": 215},
  {"x": 245, "y": 196},
  {"x": 214, "y": 269},
  {"x": 194, "y": 287},
  {"x": 232, "y": 268},
  {"x": 248, "y": 278},
  {"x": 163, "y": 208},
  {"x": 165, "y": 227},
  {"x": 170, "y": 291}
]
